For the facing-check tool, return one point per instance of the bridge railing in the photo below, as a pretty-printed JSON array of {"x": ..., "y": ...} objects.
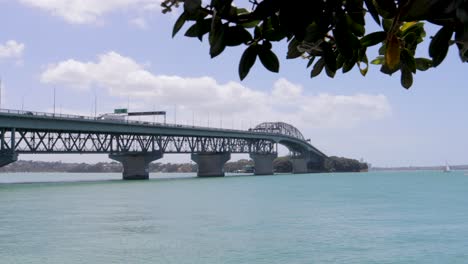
[
  {"x": 44, "y": 114},
  {"x": 127, "y": 121}
]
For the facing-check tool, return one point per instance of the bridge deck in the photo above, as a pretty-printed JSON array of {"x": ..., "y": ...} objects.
[{"x": 32, "y": 122}]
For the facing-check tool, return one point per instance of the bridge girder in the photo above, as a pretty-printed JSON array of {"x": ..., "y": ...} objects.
[
  {"x": 42, "y": 141},
  {"x": 32, "y": 132}
]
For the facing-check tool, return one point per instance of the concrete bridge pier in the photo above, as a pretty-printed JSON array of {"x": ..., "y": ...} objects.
[
  {"x": 211, "y": 164},
  {"x": 136, "y": 164},
  {"x": 7, "y": 158},
  {"x": 263, "y": 163},
  {"x": 300, "y": 165},
  {"x": 307, "y": 163}
]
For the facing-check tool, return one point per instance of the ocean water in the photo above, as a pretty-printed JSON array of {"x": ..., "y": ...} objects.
[{"x": 377, "y": 217}]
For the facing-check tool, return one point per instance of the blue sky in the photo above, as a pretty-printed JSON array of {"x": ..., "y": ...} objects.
[{"x": 121, "y": 51}]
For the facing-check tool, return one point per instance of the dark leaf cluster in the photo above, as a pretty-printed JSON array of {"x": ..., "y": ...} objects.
[{"x": 330, "y": 35}]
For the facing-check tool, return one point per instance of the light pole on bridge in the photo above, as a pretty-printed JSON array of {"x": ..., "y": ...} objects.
[
  {"x": 54, "y": 101},
  {"x": 1, "y": 92}
]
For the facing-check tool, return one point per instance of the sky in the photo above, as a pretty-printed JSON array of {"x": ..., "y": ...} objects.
[{"x": 107, "y": 54}]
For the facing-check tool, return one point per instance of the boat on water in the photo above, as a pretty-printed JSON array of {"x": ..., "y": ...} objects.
[{"x": 447, "y": 167}]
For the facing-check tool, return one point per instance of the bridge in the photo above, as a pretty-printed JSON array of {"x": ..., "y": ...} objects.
[{"x": 136, "y": 144}]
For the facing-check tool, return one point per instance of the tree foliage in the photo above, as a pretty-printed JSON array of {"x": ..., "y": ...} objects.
[
  {"x": 330, "y": 35},
  {"x": 330, "y": 164},
  {"x": 282, "y": 164},
  {"x": 340, "y": 164}
]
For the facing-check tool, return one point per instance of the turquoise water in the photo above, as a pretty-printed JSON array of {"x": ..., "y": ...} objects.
[{"x": 385, "y": 217}]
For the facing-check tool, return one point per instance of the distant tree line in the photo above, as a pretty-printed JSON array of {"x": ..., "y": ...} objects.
[
  {"x": 340, "y": 164},
  {"x": 280, "y": 165},
  {"x": 331, "y": 164}
]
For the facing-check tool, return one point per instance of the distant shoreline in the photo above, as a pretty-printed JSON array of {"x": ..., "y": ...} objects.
[{"x": 421, "y": 168}]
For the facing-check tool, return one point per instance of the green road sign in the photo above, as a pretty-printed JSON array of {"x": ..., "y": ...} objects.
[{"x": 120, "y": 111}]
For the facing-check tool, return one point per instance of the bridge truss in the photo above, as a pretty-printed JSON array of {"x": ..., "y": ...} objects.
[
  {"x": 30, "y": 141},
  {"x": 279, "y": 128}
]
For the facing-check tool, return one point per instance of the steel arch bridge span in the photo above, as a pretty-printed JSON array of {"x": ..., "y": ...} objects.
[
  {"x": 291, "y": 137},
  {"x": 279, "y": 128}
]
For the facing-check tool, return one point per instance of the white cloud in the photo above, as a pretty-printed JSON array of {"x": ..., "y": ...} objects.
[
  {"x": 123, "y": 77},
  {"x": 89, "y": 11},
  {"x": 286, "y": 90},
  {"x": 11, "y": 50},
  {"x": 139, "y": 22}
]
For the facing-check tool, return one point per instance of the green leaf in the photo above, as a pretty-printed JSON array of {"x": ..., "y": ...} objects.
[
  {"x": 257, "y": 32},
  {"x": 387, "y": 24},
  {"x": 339, "y": 61},
  {"x": 247, "y": 60},
  {"x": 293, "y": 52},
  {"x": 461, "y": 40},
  {"x": 330, "y": 73},
  {"x": 414, "y": 28},
  {"x": 386, "y": 8},
  {"x": 217, "y": 41},
  {"x": 410, "y": 41},
  {"x": 361, "y": 54},
  {"x": 178, "y": 24},
  {"x": 354, "y": 8},
  {"x": 237, "y": 35},
  {"x": 365, "y": 68},
  {"x": 200, "y": 28},
  {"x": 268, "y": 58},
  {"x": 312, "y": 33},
  {"x": 407, "y": 60},
  {"x": 192, "y": 31},
  {"x": 439, "y": 45},
  {"x": 216, "y": 4},
  {"x": 407, "y": 25},
  {"x": 241, "y": 11},
  {"x": 342, "y": 39},
  {"x": 347, "y": 66},
  {"x": 356, "y": 28},
  {"x": 386, "y": 70},
  {"x": 311, "y": 61},
  {"x": 330, "y": 58},
  {"x": 318, "y": 67},
  {"x": 250, "y": 24},
  {"x": 382, "y": 49},
  {"x": 192, "y": 6},
  {"x": 378, "y": 61},
  {"x": 373, "y": 11},
  {"x": 271, "y": 31},
  {"x": 373, "y": 38},
  {"x": 406, "y": 78},
  {"x": 265, "y": 8},
  {"x": 423, "y": 64}
]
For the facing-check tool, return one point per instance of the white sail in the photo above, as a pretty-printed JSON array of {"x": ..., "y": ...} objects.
[{"x": 447, "y": 167}]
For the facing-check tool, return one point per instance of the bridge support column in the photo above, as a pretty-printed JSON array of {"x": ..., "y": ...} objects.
[
  {"x": 211, "y": 164},
  {"x": 299, "y": 165},
  {"x": 7, "y": 158},
  {"x": 307, "y": 163},
  {"x": 263, "y": 163},
  {"x": 136, "y": 165}
]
